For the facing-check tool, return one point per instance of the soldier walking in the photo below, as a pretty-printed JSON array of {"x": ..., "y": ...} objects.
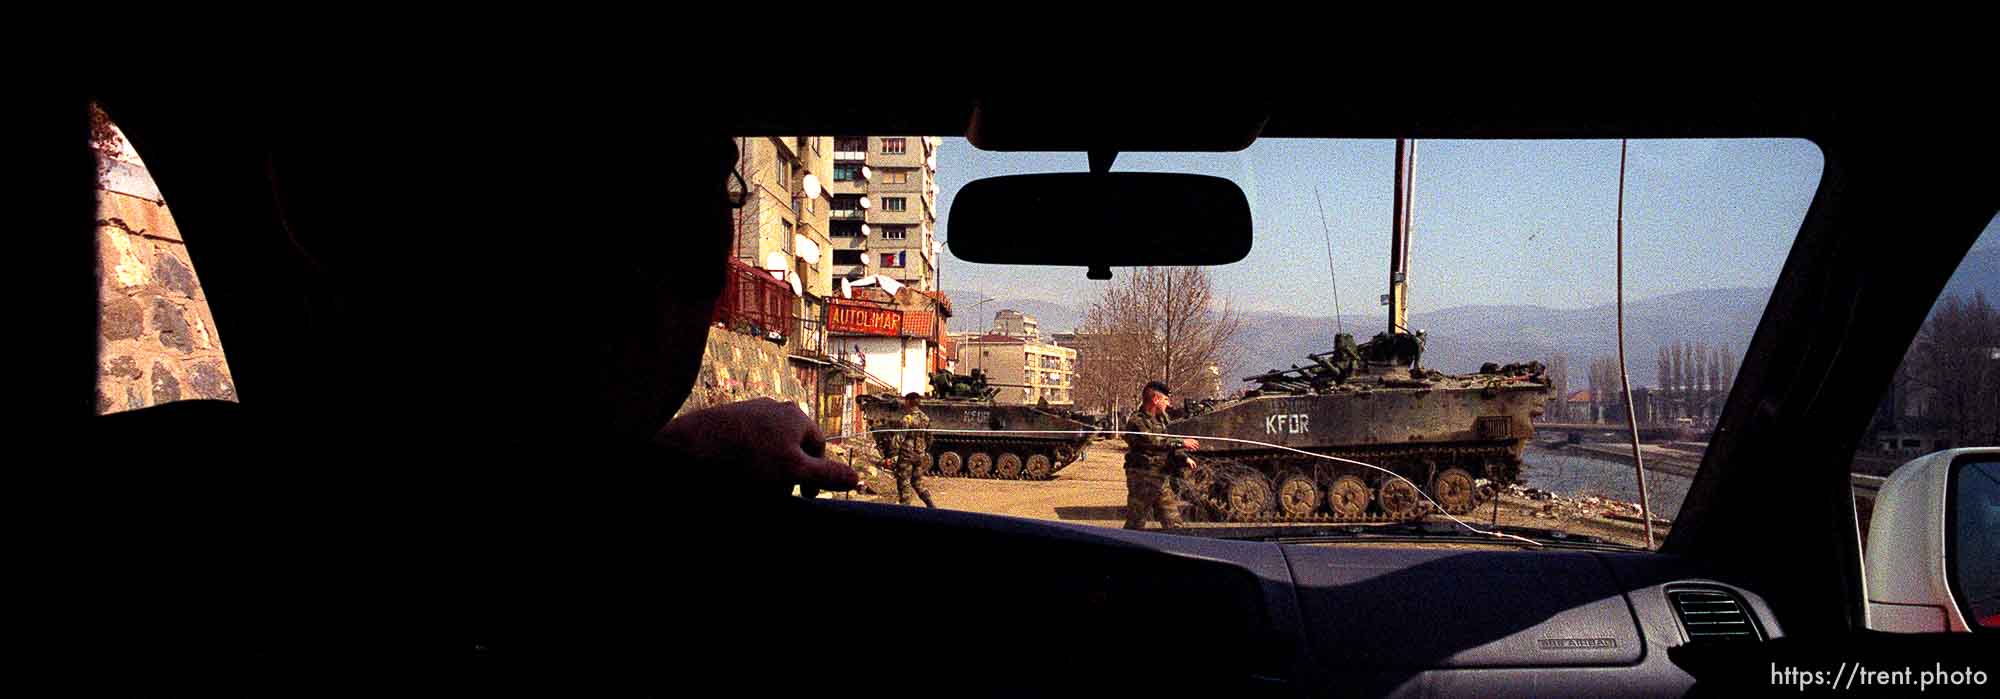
[
  {"x": 1149, "y": 462},
  {"x": 908, "y": 450}
]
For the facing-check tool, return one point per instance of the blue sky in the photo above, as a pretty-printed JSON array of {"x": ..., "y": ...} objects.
[{"x": 1497, "y": 222}]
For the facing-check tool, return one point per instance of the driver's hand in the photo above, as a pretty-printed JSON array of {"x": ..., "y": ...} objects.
[
  {"x": 1190, "y": 444},
  {"x": 768, "y": 445}
]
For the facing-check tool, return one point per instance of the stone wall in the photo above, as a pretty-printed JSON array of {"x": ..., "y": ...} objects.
[
  {"x": 738, "y": 367},
  {"x": 157, "y": 342}
]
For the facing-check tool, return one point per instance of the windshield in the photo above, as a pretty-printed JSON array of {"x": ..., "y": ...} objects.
[{"x": 1495, "y": 402}]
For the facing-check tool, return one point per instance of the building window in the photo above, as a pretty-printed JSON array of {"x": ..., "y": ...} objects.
[
  {"x": 895, "y": 232},
  {"x": 895, "y": 203},
  {"x": 895, "y": 146},
  {"x": 784, "y": 170},
  {"x": 894, "y": 259},
  {"x": 847, "y": 172},
  {"x": 844, "y": 229},
  {"x": 847, "y": 204},
  {"x": 895, "y": 177},
  {"x": 847, "y": 257}
]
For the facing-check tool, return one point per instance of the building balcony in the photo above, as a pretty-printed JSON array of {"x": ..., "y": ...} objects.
[
  {"x": 845, "y": 214},
  {"x": 850, "y": 155},
  {"x": 753, "y": 303},
  {"x": 808, "y": 338}
]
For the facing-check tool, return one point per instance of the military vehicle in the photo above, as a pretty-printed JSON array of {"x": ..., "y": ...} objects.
[
  {"x": 959, "y": 402},
  {"x": 1370, "y": 403}
]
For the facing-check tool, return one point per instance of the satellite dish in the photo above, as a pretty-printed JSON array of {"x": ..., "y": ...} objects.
[
  {"x": 812, "y": 186},
  {"x": 867, "y": 173},
  {"x": 932, "y": 162},
  {"x": 864, "y": 258},
  {"x": 864, "y": 230},
  {"x": 865, "y": 203},
  {"x": 776, "y": 261}
]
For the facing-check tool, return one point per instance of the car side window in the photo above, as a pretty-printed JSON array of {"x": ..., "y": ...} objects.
[
  {"x": 1946, "y": 393},
  {"x": 157, "y": 342}
]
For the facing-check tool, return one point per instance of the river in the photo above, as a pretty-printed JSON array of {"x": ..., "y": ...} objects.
[{"x": 1569, "y": 473}]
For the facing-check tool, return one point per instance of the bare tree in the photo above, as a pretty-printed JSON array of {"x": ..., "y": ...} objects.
[
  {"x": 1559, "y": 376},
  {"x": 1953, "y": 360},
  {"x": 1715, "y": 383},
  {"x": 1604, "y": 387},
  {"x": 1728, "y": 368},
  {"x": 1700, "y": 379},
  {"x": 1161, "y": 323},
  {"x": 1108, "y": 370},
  {"x": 1679, "y": 356},
  {"x": 1596, "y": 390},
  {"x": 1666, "y": 373}
]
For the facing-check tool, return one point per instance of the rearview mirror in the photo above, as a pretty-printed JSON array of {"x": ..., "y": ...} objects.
[
  {"x": 1119, "y": 219},
  {"x": 1933, "y": 559}
]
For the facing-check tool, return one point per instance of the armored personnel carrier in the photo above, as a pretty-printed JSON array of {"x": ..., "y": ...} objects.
[
  {"x": 1368, "y": 403},
  {"x": 959, "y": 402},
  {"x": 1424, "y": 433}
]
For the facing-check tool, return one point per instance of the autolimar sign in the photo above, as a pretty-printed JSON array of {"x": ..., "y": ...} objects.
[{"x": 864, "y": 320}]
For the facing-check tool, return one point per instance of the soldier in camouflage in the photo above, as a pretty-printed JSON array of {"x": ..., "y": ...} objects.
[
  {"x": 908, "y": 450},
  {"x": 1150, "y": 462}
]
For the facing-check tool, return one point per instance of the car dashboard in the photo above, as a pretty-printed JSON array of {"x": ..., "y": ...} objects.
[{"x": 1070, "y": 606}]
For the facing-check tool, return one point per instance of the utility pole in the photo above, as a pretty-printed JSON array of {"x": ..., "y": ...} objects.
[
  {"x": 1399, "y": 237},
  {"x": 1625, "y": 378}
]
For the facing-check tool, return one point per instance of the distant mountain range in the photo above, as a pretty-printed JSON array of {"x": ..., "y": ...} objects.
[
  {"x": 1463, "y": 337},
  {"x": 1052, "y": 316}
]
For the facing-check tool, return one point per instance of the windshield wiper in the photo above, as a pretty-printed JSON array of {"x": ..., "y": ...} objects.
[{"x": 1405, "y": 532}]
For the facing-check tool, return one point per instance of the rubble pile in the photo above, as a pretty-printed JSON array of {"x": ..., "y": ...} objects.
[{"x": 1565, "y": 507}]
